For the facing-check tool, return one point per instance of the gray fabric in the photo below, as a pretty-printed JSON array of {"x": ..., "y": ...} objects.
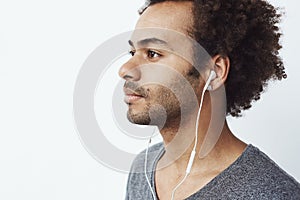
[{"x": 252, "y": 176}]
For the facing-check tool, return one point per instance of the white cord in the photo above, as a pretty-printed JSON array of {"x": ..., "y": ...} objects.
[
  {"x": 193, "y": 153},
  {"x": 178, "y": 185},
  {"x": 145, "y": 169}
]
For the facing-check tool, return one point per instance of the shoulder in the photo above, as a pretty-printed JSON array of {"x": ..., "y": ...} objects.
[
  {"x": 264, "y": 178},
  {"x": 154, "y": 153},
  {"x": 253, "y": 176},
  {"x": 137, "y": 187}
]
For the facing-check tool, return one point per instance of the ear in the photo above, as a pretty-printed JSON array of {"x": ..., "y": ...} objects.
[{"x": 221, "y": 67}]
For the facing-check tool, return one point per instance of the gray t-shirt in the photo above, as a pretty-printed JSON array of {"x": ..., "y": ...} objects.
[{"x": 252, "y": 176}]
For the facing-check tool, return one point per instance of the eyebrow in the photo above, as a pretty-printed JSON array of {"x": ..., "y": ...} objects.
[{"x": 148, "y": 41}]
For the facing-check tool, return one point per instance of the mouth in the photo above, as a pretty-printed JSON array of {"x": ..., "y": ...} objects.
[{"x": 131, "y": 96}]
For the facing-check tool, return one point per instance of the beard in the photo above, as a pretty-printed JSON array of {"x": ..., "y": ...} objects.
[
  {"x": 163, "y": 105},
  {"x": 160, "y": 105}
]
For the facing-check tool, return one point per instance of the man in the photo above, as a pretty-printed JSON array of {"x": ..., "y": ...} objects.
[{"x": 200, "y": 158}]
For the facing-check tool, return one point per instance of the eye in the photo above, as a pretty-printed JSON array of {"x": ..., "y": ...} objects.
[
  {"x": 153, "y": 54},
  {"x": 131, "y": 52}
]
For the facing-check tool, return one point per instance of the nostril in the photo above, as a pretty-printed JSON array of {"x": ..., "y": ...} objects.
[
  {"x": 130, "y": 70},
  {"x": 127, "y": 77},
  {"x": 125, "y": 74},
  {"x": 124, "y": 69}
]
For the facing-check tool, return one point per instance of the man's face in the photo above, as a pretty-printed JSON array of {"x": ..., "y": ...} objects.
[{"x": 159, "y": 73}]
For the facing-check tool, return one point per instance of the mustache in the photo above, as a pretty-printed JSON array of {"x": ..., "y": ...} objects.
[{"x": 136, "y": 88}]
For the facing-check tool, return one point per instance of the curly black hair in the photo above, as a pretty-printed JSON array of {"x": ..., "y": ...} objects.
[{"x": 247, "y": 32}]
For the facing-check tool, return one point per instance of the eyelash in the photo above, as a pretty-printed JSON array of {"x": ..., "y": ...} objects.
[
  {"x": 131, "y": 52},
  {"x": 149, "y": 52}
]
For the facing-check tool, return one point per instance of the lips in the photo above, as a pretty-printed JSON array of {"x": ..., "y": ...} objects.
[{"x": 131, "y": 96}]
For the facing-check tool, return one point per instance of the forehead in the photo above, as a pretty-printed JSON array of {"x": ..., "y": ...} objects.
[
  {"x": 169, "y": 22},
  {"x": 170, "y": 15}
]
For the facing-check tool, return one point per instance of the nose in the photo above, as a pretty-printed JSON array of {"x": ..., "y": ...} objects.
[{"x": 130, "y": 70}]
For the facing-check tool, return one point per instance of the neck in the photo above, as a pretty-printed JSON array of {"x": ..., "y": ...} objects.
[{"x": 216, "y": 145}]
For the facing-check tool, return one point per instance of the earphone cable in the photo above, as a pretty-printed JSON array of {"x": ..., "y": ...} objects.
[
  {"x": 145, "y": 169},
  {"x": 192, "y": 156}
]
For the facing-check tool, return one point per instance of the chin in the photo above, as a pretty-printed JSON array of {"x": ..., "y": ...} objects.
[{"x": 140, "y": 119}]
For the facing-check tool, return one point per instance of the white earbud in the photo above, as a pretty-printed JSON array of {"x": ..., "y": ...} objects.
[{"x": 211, "y": 77}]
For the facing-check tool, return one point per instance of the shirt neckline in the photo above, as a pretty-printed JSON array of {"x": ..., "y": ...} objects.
[{"x": 211, "y": 184}]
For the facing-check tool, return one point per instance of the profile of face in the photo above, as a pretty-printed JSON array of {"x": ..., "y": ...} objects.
[{"x": 161, "y": 83}]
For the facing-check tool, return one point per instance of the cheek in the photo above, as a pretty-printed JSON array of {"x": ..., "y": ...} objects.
[
  {"x": 160, "y": 93},
  {"x": 172, "y": 92},
  {"x": 159, "y": 76},
  {"x": 166, "y": 83},
  {"x": 165, "y": 71}
]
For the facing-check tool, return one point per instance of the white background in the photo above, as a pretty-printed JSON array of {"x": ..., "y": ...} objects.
[{"x": 42, "y": 47}]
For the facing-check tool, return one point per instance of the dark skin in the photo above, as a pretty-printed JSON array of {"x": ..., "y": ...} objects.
[{"x": 227, "y": 149}]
